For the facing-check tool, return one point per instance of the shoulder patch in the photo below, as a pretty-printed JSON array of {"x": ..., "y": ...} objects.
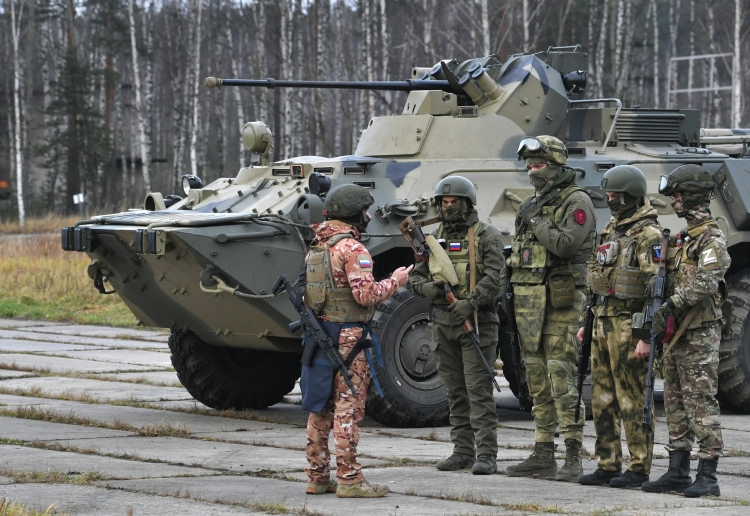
[
  {"x": 709, "y": 258},
  {"x": 580, "y": 216},
  {"x": 364, "y": 261},
  {"x": 656, "y": 253}
]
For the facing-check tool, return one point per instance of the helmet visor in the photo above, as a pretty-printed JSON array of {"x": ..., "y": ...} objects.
[
  {"x": 531, "y": 145},
  {"x": 665, "y": 186}
]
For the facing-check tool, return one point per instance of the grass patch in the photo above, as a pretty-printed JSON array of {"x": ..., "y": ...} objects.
[
  {"x": 433, "y": 436},
  {"x": 463, "y": 496},
  {"x": 54, "y": 477},
  {"x": 7, "y": 508},
  {"x": 533, "y": 507},
  {"x": 41, "y": 281}
]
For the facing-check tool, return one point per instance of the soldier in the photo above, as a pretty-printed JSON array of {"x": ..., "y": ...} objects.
[
  {"x": 340, "y": 281},
  {"x": 472, "y": 406},
  {"x": 696, "y": 289},
  {"x": 619, "y": 274},
  {"x": 555, "y": 236}
]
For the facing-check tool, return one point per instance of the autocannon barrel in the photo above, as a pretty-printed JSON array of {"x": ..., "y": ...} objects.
[{"x": 408, "y": 85}]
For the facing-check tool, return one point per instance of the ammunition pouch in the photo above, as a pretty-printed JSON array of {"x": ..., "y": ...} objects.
[
  {"x": 628, "y": 283},
  {"x": 530, "y": 303},
  {"x": 562, "y": 289}
]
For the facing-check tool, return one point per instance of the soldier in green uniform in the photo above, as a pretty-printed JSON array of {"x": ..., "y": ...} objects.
[
  {"x": 555, "y": 236},
  {"x": 696, "y": 289},
  {"x": 470, "y": 399},
  {"x": 620, "y": 274}
]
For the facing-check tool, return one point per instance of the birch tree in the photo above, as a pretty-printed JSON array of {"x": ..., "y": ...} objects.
[
  {"x": 737, "y": 66},
  {"x": 15, "y": 27},
  {"x": 142, "y": 146},
  {"x": 655, "y": 18},
  {"x": 196, "y": 63}
]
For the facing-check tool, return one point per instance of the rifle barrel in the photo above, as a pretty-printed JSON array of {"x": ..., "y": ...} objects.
[{"x": 407, "y": 85}]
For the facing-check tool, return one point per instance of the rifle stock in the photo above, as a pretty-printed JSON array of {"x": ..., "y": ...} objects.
[
  {"x": 660, "y": 286},
  {"x": 583, "y": 358}
]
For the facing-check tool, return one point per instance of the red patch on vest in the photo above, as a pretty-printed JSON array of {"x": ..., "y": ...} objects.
[{"x": 580, "y": 216}]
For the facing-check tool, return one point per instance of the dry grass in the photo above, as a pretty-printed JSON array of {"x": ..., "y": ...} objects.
[
  {"x": 533, "y": 507},
  {"x": 41, "y": 281},
  {"x": 53, "y": 477},
  {"x": 48, "y": 224},
  {"x": 7, "y": 508}
]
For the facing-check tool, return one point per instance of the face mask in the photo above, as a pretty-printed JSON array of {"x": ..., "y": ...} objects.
[
  {"x": 453, "y": 213},
  {"x": 538, "y": 178},
  {"x": 679, "y": 208}
]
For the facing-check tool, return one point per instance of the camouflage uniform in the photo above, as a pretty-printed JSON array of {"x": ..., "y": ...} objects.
[
  {"x": 617, "y": 376},
  {"x": 473, "y": 416},
  {"x": 691, "y": 367},
  {"x": 352, "y": 268}
]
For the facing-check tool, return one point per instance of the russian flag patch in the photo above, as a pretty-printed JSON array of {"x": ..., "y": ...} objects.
[
  {"x": 364, "y": 261},
  {"x": 454, "y": 246}
]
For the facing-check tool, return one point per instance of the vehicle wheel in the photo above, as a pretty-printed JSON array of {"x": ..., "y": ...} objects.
[
  {"x": 516, "y": 377},
  {"x": 232, "y": 378},
  {"x": 734, "y": 353},
  {"x": 415, "y": 395}
]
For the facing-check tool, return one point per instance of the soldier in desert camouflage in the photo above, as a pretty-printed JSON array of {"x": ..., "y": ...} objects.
[
  {"x": 620, "y": 274},
  {"x": 695, "y": 283},
  {"x": 339, "y": 276}
]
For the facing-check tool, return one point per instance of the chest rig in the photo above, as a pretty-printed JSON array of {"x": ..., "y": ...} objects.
[
  {"x": 615, "y": 270},
  {"x": 682, "y": 270},
  {"x": 533, "y": 264},
  {"x": 457, "y": 250},
  {"x": 321, "y": 294}
]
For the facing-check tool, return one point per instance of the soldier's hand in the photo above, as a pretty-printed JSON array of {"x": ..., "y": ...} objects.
[
  {"x": 401, "y": 275},
  {"x": 659, "y": 320},
  {"x": 433, "y": 290},
  {"x": 579, "y": 335},
  {"x": 462, "y": 310},
  {"x": 642, "y": 349},
  {"x": 532, "y": 211}
]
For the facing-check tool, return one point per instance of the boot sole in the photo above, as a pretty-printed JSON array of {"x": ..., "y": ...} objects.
[
  {"x": 549, "y": 472},
  {"x": 670, "y": 489},
  {"x": 696, "y": 495}
]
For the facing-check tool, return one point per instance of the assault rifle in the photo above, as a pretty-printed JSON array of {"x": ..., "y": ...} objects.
[
  {"x": 510, "y": 311},
  {"x": 659, "y": 291},
  {"x": 310, "y": 323},
  {"x": 583, "y": 358},
  {"x": 413, "y": 233}
]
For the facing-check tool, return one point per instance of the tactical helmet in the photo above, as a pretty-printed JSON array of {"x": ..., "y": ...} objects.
[
  {"x": 547, "y": 147},
  {"x": 625, "y": 179},
  {"x": 456, "y": 186},
  {"x": 692, "y": 181},
  {"x": 346, "y": 202}
]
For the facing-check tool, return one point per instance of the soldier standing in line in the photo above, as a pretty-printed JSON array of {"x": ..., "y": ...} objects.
[
  {"x": 473, "y": 415},
  {"x": 621, "y": 275},
  {"x": 696, "y": 289},
  {"x": 341, "y": 287},
  {"x": 555, "y": 237}
]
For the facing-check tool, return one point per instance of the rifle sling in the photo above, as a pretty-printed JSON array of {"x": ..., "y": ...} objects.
[
  {"x": 473, "y": 272},
  {"x": 682, "y": 328}
]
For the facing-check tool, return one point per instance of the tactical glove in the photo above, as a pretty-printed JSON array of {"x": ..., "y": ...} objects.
[
  {"x": 433, "y": 290},
  {"x": 532, "y": 210},
  {"x": 462, "y": 310},
  {"x": 659, "y": 319}
]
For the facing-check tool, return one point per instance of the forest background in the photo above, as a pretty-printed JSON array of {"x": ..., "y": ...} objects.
[{"x": 106, "y": 97}]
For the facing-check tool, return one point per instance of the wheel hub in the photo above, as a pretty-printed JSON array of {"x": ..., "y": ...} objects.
[{"x": 415, "y": 358}]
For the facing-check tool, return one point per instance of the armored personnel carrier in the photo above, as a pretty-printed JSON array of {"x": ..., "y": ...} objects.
[{"x": 204, "y": 265}]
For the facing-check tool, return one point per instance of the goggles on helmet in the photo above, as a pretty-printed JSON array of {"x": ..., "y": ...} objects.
[
  {"x": 666, "y": 187},
  {"x": 531, "y": 145}
]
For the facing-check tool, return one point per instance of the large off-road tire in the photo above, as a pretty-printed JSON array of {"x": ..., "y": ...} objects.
[
  {"x": 515, "y": 377},
  {"x": 415, "y": 395},
  {"x": 734, "y": 353},
  {"x": 232, "y": 378}
]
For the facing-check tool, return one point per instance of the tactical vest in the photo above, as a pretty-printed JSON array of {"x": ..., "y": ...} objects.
[
  {"x": 533, "y": 264},
  {"x": 337, "y": 304},
  {"x": 458, "y": 252},
  {"x": 677, "y": 268},
  {"x": 615, "y": 270}
]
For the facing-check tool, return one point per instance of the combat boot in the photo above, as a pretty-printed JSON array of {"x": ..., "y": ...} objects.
[
  {"x": 600, "y": 477},
  {"x": 329, "y": 487},
  {"x": 629, "y": 479},
  {"x": 540, "y": 462},
  {"x": 455, "y": 462},
  {"x": 572, "y": 468},
  {"x": 677, "y": 477},
  {"x": 705, "y": 483},
  {"x": 363, "y": 490},
  {"x": 485, "y": 465}
]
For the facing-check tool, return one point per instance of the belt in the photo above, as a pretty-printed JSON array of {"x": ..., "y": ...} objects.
[{"x": 615, "y": 302}]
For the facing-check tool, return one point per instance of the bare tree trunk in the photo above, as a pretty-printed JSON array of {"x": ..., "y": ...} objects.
[
  {"x": 715, "y": 105},
  {"x": 28, "y": 101},
  {"x": 736, "y": 67},
  {"x": 15, "y": 27},
  {"x": 601, "y": 49},
  {"x": 674, "y": 22},
  {"x": 285, "y": 41},
  {"x": 236, "y": 91},
  {"x": 322, "y": 8},
  {"x": 692, "y": 52},
  {"x": 655, "y": 19},
  {"x": 338, "y": 12},
  {"x": 196, "y": 85},
  {"x": 260, "y": 16},
  {"x": 485, "y": 15},
  {"x": 148, "y": 86},
  {"x": 143, "y": 147},
  {"x": 367, "y": 57},
  {"x": 385, "y": 46},
  {"x": 525, "y": 21},
  {"x": 429, "y": 12},
  {"x": 563, "y": 20},
  {"x": 73, "y": 176},
  {"x": 625, "y": 48}
]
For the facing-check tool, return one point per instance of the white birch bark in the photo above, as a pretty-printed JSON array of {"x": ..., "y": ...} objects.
[
  {"x": 338, "y": 12},
  {"x": 148, "y": 83},
  {"x": 736, "y": 67},
  {"x": 601, "y": 49},
  {"x": 525, "y": 23},
  {"x": 691, "y": 64},
  {"x": 236, "y": 91},
  {"x": 141, "y": 136},
  {"x": 260, "y": 16},
  {"x": 17, "y": 157},
  {"x": 322, "y": 8},
  {"x": 655, "y": 19},
  {"x": 485, "y": 17},
  {"x": 367, "y": 58},
  {"x": 715, "y": 104},
  {"x": 385, "y": 45},
  {"x": 674, "y": 21},
  {"x": 286, "y": 69},
  {"x": 195, "y": 89}
]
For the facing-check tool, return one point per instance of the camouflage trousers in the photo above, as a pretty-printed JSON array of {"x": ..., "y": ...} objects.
[
  {"x": 473, "y": 415},
  {"x": 691, "y": 381},
  {"x": 551, "y": 373},
  {"x": 618, "y": 384},
  {"x": 342, "y": 414}
]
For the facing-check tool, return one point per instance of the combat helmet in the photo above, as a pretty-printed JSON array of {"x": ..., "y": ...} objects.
[
  {"x": 693, "y": 182},
  {"x": 545, "y": 147},
  {"x": 349, "y": 203},
  {"x": 456, "y": 186},
  {"x": 625, "y": 179}
]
